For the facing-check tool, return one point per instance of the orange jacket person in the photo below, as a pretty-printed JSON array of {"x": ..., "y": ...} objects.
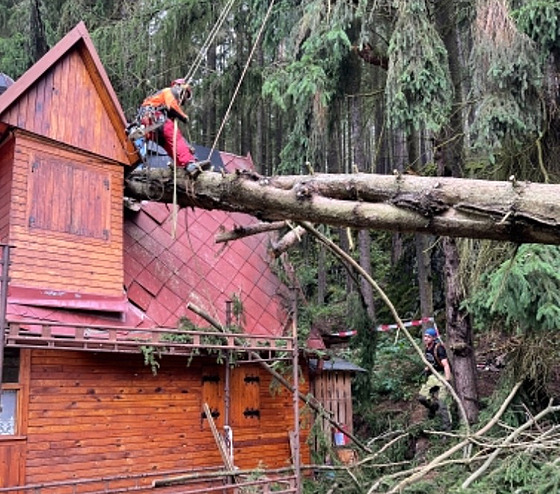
[{"x": 170, "y": 137}]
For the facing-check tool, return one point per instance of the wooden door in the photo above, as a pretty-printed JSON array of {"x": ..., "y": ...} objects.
[{"x": 11, "y": 462}]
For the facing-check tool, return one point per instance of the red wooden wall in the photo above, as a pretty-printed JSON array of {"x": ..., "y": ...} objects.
[
  {"x": 6, "y": 155},
  {"x": 70, "y": 104},
  {"x": 93, "y": 415},
  {"x": 65, "y": 219}
]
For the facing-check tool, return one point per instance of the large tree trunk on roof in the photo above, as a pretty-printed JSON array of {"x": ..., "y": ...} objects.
[{"x": 513, "y": 211}]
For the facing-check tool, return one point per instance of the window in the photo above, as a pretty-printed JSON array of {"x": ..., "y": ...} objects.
[
  {"x": 10, "y": 392},
  {"x": 69, "y": 198},
  {"x": 8, "y": 412}
]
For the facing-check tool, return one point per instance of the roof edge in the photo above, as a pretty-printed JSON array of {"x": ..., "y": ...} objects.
[{"x": 72, "y": 38}]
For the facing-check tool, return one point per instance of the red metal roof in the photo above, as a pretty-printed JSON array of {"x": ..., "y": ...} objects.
[{"x": 163, "y": 273}]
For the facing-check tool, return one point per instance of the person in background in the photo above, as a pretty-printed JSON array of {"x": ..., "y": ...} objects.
[{"x": 433, "y": 394}]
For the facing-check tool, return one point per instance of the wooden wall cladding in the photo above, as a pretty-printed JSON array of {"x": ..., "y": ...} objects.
[
  {"x": 94, "y": 415},
  {"x": 50, "y": 108},
  {"x": 66, "y": 220},
  {"x": 6, "y": 158},
  {"x": 334, "y": 391},
  {"x": 11, "y": 462}
]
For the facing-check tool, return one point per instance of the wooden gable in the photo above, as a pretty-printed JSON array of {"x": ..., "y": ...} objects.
[
  {"x": 67, "y": 97},
  {"x": 61, "y": 176}
]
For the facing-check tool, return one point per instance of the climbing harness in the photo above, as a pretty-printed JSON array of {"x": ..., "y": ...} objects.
[{"x": 150, "y": 119}]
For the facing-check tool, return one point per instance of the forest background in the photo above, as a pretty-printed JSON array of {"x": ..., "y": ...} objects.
[{"x": 434, "y": 88}]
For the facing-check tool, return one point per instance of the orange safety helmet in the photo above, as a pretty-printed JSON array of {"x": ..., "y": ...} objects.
[{"x": 185, "y": 89}]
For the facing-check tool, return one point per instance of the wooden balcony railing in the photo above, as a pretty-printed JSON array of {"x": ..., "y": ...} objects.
[{"x": 97, "y": 338}]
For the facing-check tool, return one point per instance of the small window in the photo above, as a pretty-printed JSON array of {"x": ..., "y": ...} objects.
[
  {"x": 8, "y": 412},
  {"x": 10, "y": 393},
  {"x": 10, "y": 373}
]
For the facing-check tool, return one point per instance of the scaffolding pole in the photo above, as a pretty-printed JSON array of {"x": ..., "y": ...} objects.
[
  {"x": 3, "y": 307},
  {"x": 295, "y": 365}
]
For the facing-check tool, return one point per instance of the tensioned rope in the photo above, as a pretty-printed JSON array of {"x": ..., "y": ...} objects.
[
  {"x": 194, "y": 68},
  {"x": 259, "y": 34},
  {"x": 209, "y": 40}
]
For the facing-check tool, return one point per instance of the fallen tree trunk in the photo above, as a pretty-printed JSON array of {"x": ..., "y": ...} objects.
[{"x": 520, "y": 212}]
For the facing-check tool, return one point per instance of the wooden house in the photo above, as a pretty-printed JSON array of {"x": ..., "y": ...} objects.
[{"x": 91, "y": 294}]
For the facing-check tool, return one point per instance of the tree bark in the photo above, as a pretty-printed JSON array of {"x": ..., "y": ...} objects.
[
  {"x": 423, "y": 257},
  {"x": 451, "y": 161},
  {"x": 520, "y": 212},
  {"x": 459, "y": 333},
  {"x": 38, "y": 43},
  {"x": 358, "y": 148},
  {"x": 321, "y": 274},
  {"x": 425, "y": 290}
]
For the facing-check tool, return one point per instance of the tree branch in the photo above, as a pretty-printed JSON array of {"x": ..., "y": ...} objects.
[
  {"x": 283, "y": 381},
  {"x": 246, "y": 231}
]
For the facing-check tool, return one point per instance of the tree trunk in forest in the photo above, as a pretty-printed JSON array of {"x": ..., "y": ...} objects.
[
  {"x": 210, "y": 125},
  {"x": 38, "y": 41},
  {"x": 345, "y": 241},
  {"x": 451, "y": 161},
  {"x": 321, "y": 274},
  {"x": 278, "y": 138},
  {"x": 425, "y": 290},
  {"x": 459, "y": 333},
  {"x": 357, "y": 143},
  {"x": 519, "y": 212},
  {"x": 258, "y": 155},
  {"x": 397, "y": 157},
  {"x": 364, "y": 246}
]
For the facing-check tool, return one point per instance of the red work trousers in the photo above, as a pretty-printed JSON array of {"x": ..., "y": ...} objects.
[{"x": 171, "y": 135}]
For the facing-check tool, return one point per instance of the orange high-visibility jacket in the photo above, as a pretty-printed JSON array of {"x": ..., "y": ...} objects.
[{"x": 167, "y": 98}]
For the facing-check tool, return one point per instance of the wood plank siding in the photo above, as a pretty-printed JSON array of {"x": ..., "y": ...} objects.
[
  {"x": 69, "y": 104},
  {"x": 103, "y": 415},
  {"x": 334, "y": 391},
  {"x": 6, "y": 157},
  {"x": 66, "y": 219}
]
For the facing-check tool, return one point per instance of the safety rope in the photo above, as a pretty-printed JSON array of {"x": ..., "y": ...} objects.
[
  {"x": 226, "y": 116},
  {"x": 174, "y": 220},
  {"x": 209, "y": 40}
]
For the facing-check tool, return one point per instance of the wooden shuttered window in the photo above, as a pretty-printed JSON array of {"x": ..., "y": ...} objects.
[
  {"x": 69, "y": 198},
  {"x": 213, "y": 396},
  {"x": 245, "y": 392},
  {"x": 245, "y": 405}
]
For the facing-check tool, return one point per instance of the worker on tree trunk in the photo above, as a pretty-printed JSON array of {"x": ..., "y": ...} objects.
[{"x": 165, "y": 105}]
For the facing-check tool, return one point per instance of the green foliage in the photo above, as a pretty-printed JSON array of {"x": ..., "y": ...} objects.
[
  {"x": 151, "y": 357},
  {"x": 523, "y": 291},
  {"x": 419, "y": 90},
  {"x": 507, "y": 76},
  {"x": 238, "y": 310},
  {"x": 13, "y": 53},
  {"x": 398, "y": 372},
  {"x": 306, "y": 81},
  {"x": 540, "y": 20},
  {"x": 521, "y": 473},
  {"x": 498, "y": 118},
  {"x": 14, "y": 39}
]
